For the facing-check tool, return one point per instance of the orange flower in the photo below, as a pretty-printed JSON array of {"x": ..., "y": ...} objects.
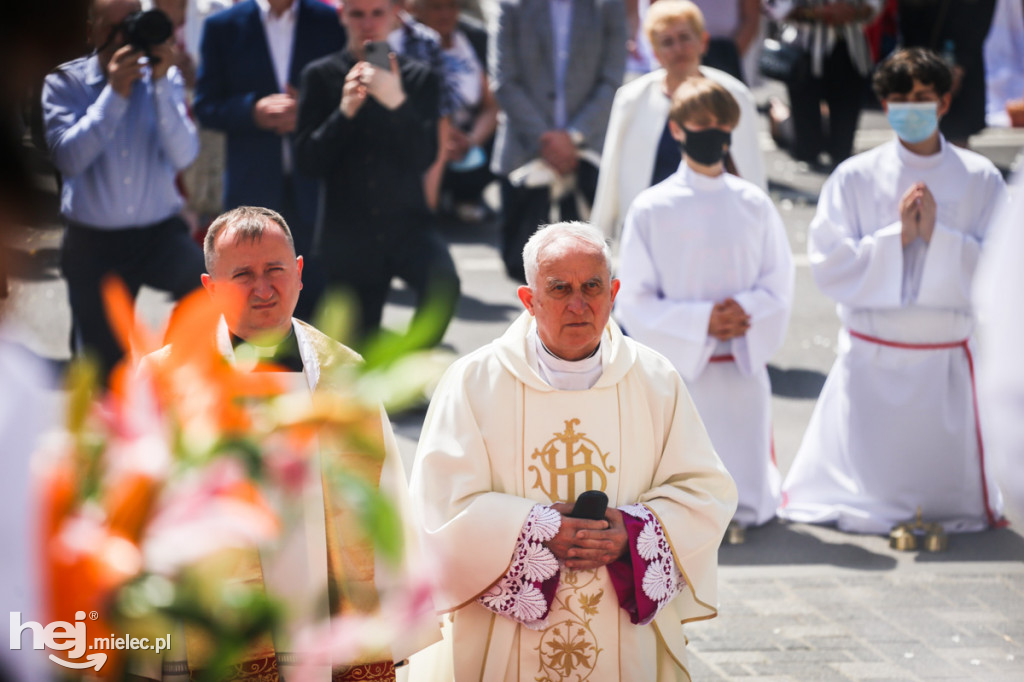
[
  {"x": 83, "y": 560},
  {"x": 196, "y": 383}
]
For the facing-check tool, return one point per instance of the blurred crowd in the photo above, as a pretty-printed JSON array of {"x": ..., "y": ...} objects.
[{"x": 566, "y": 111}]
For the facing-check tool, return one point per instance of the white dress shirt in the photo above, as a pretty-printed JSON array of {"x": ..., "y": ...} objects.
[
  {"x": 280, "y": 32},
  {"x": 561, "y": 27}
]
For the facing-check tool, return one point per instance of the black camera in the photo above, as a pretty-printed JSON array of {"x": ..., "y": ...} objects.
[{"x": 145, "y": 30}]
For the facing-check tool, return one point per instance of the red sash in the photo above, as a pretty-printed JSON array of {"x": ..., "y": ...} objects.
[{"x": 992, "y": 520}]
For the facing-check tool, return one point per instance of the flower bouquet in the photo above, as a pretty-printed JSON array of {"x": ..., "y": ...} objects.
[{"x": 187, "y": 469}]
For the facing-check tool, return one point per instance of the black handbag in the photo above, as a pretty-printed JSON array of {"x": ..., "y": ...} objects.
[{"x": 781, "y": 61}]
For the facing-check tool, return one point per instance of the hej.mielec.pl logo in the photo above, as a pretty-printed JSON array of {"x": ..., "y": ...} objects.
[{"x": 61, "y": 635}]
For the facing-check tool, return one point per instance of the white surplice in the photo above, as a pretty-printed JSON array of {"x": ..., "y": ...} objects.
[
  {"x": 999, "y": 295},
  {"x": 635, "y": 126},
  {"x": 498, "y": 440},
  {"x": 688, "y": 243},
  {"x": 894, "y": 427}
]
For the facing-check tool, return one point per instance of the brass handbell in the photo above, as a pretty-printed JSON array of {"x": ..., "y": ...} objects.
[
  {"x": 935, "y": 538},
  {"x": 902, "y": 538}
]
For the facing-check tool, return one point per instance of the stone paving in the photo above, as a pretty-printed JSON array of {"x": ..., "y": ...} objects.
[{"x": 844, "y": 607}]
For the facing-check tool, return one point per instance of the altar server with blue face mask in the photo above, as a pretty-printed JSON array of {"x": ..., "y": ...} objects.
[{"x": 895, "y": 241}]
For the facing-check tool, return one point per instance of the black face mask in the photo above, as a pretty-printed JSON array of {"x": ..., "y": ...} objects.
[{"x": 706, "y": 147}]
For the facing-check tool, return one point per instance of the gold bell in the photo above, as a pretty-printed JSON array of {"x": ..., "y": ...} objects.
[
  {"x": 902, "y": 538},
  {"x": 935, "y": 538},
  {"x": 735, "y": 534}
]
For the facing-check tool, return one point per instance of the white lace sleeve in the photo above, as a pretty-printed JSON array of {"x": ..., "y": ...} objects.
[
  {"x": 662, "y": 580},
  {"x": 518, "y": 594}
]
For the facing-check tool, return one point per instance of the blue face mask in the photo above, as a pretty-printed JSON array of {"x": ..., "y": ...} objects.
[{"x": 913, "y": 121}]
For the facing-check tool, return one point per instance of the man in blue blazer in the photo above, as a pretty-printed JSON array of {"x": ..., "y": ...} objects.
[{"x": 252, "y": 57}]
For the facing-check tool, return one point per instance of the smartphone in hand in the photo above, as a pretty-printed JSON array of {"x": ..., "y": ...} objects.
[
  {"x": 376, "y": 52},
  {"x": 591, "y": 504}
]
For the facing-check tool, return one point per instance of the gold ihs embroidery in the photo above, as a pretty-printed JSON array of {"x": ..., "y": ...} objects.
[{"x": 567, "y": 457}]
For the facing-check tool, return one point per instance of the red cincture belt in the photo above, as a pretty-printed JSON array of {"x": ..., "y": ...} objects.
[{"x": 992, "y": 520}]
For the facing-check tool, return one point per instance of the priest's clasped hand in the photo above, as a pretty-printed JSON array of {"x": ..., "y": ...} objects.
[
  {"x": 917, "y": 214},
  {"x": 583, "y": 544}
]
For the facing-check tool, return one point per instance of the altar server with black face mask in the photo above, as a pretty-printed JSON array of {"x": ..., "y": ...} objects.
[
  {"x": 895, "y": 242},
  {"x": 707, "y": 280}
]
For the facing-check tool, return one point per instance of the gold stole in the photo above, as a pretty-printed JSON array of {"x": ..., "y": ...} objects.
[
  {"x": 350, "y": 553},
  {"x": 572, "y": 443}
]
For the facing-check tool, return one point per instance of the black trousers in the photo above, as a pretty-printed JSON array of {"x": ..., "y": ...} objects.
[
  {"x": 524, "y": 209},
  {"x": 162, "y": 256},
  {"x": 842, "y": 86},
  {"x": 965, "y": 25},
  {"x": 312, "y": 269},
  {"x": 723, "y": 55},
  {"x": 467, "y": 186},
  {"x": 365, "y": 263}
]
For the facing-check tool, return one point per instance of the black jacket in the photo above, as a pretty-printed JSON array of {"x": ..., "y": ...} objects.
[{"x": 371, "y": 166}]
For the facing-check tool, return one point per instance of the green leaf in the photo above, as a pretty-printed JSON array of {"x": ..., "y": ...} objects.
[
  {"x": 335, "y": 315},
  {"x": 425, "y": 330},
  {"x": 406, "y": 382},
  {"x": 246, "y": 450},
  {"x": 82, "y": 385}
]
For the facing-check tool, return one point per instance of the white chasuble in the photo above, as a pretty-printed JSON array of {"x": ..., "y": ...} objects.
[{"x": 498, "y": 443}]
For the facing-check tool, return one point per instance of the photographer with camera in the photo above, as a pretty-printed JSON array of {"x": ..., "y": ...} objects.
[{"x": 118, "y": 132}]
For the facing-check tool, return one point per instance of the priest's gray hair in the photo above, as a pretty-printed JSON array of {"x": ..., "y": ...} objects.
[{"x": 546, "y": 235}]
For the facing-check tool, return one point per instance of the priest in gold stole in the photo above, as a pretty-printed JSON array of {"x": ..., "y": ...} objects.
[
  {"x": 560, "y": 404},
  {"x": 255, "y": 277}
]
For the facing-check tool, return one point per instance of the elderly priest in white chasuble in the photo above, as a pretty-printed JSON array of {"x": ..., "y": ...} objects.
[{"x": 562, "y": 404}]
